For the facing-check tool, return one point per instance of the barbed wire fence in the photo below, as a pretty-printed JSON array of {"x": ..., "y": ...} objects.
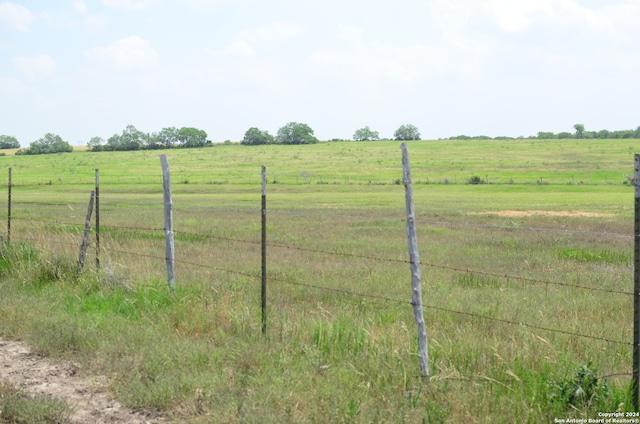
[{"x": 77, "y": 227}]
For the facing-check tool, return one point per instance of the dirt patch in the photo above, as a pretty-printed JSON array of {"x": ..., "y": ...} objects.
[
  {"x": 516, "y": 214},
  {"x": 36, "y": 374}
]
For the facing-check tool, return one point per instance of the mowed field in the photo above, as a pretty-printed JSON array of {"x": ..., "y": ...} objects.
[{"x": 527, "y": 279}]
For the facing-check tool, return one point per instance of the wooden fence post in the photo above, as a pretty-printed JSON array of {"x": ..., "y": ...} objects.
[
  {"x": 97, "y": 219},
  {"x": 264, "y": 250},
  {"x": 85, "y": 235},
  {"x": 9, "y": 210},
  {"x": 635, "y": 381},
  {"x": 414, "y": 258},
  {"x": 168, "y": 223}
]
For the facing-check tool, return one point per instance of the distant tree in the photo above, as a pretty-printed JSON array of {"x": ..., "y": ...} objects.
[
  {"x": 296, "y": 133},
  {"x": 579, "y": 130},
  {"x": 625, "y": 134},
  {"x": 603, "y": 134},
  {"x": 546, "y": 135},
  {"x": 192, "y": 137},
  {"x": 167, "y": 137},
  {"x": 564, "y": 134},
  {"x": 255, "y": 137},
  {"x": 407, "y": 132},
  {"x": 366, "y": 134},
  {"x": 152, "y": 141},
  {"x": 96, "y": 144},
  {"x": 8, "y": 142},
  {"x": 50, "y": 143},
  {"x": 130, "y": 139}
]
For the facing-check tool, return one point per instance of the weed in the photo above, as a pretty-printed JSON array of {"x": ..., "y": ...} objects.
[{"x": 583, "y": 389}]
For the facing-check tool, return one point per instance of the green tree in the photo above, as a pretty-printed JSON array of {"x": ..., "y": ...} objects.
[
  {"x": 407, "y": 132},
  {"x": 255, "y": 137},
  {"x": 295, "y": 133},
  {"x": 8, "y": 142},
  {"x": 192, "y": 137},
  {"x": 168, "y": 137},
  {"x": 96, "y": 144},
  {"x": 546, "y": 135},
  {"x": 603, "y": 134},
  {"x": 365, "y": 134},
  {"x": 579, "y": 130},
  {"x": 130, "y": 139},
  {"x": 50, "y": 143}
]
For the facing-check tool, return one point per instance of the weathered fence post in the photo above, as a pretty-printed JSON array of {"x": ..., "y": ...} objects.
[
  {"x": 9, "y": 210},
  {"x": 85, "y": 235},
  {"x": 635, "y": 382},
  {"x": 264, "y": 250},
  {"x": 414, "y": 258},
  {"x": 97, "y": 218},
  {"x": 168, "y": 222}
]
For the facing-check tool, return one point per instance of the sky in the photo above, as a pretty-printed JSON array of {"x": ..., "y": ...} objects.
[{"x": 85, "y": 68}]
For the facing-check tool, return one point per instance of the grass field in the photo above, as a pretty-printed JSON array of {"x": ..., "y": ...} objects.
[{"x": 526, "y": 279}]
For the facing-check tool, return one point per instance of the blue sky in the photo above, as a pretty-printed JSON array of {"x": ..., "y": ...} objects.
[{"x": 81, "y": 68}]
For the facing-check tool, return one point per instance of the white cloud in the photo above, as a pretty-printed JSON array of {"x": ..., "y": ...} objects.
[
  {"x": 35, "y": 67},
  {"x": 271, "y": 33},
  {"x": 238, "y": 48},
  {"x": 245, "y": 42},
  {"x": 91, "y": 22},
  {"x": 374, "y": 64},
  {"x": 80, "y": 6},
  {"x": 518, "y": 16},
  {"x": 452, "y": 16},
  {"x": 614, "y": 20},
  {"x": 126, "y": 54},
  {"x": 127, "y": 4},
  {"x": 351, "y": 35},
  {"x": 15, "y": 16},
  {"x": 203, "y": 4}
]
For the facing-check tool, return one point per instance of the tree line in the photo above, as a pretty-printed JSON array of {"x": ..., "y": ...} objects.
[
  {"x": 578, "y": 133},
  {"x": 298, "y": 133},
  {"x": 132, "y": 138},
  {"x": 292, "y": 133}
]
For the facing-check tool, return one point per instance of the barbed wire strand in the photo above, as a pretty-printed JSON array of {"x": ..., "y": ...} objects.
[
  {"x": 377, "y": 218},
  {"x": 377, "y": 258}
]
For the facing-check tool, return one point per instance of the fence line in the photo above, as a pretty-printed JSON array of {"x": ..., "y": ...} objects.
[
  {"x": 362, "y": 295},
  {"x": 372, "y": 218},
  {"x": 359, "y": 256}
]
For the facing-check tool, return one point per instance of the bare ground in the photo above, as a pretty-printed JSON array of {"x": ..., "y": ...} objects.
[{"x": 25, "y": 369}]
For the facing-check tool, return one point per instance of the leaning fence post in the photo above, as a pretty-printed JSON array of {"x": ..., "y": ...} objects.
[
  {"x": 97, "y": 219},
  {"x": 168, "y": 222},
  {"x": 9, "y": 210},
  {"x": 635, "y": 381},
  {"x": 264, "y": 250},
  {"x": 85, "y": 235},
  {"x": 414, "y": 258}
]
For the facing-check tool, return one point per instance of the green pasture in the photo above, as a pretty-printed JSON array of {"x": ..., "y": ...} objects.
[{"x": 526, "y": 279}]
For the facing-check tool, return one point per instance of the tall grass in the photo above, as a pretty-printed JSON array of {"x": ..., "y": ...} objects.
[{"x": 341, "y": 342}]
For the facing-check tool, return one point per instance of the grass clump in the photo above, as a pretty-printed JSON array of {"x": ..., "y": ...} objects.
[{"x": 18, "y": 407}]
